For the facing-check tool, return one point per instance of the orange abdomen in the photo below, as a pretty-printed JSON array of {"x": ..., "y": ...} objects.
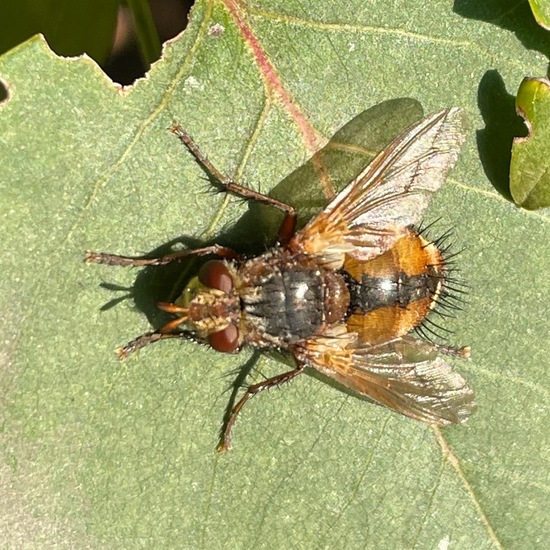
[{"x": 392, "y": 294}]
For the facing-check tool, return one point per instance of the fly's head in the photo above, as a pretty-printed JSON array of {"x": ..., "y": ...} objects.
[{"x": 210, "y": 306}]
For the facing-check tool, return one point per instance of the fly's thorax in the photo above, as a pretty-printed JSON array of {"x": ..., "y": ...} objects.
[
  {"x": 286, "y": 298},
  {"x": 393, "y": 293}
]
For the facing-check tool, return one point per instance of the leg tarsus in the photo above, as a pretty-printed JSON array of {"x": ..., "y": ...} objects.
[
  {"x": 463, "y": 352},
  {"x": 146, "y": 339}
]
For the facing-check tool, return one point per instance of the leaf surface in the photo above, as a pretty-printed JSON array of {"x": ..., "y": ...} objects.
[
  {"x": 530, "y": 168},
  {"x": 98, "y": 453},
  {"x": 541, "y": 11}
]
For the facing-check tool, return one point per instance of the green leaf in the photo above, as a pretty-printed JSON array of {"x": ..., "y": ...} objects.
[
  {"x": 541, "y": 11},
  {"x": 99, "y": 453},
  {"x": 529, "y": 169}
]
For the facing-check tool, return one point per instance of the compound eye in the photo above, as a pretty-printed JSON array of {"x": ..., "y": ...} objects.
[
  {"x": 215, "y": 274},
  {"x": 226, "y": 340}
]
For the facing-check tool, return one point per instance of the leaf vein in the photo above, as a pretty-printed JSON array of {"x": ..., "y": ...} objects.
[
  {"x": 311, "y": 138},
  {"x": 449, "y": 454}
]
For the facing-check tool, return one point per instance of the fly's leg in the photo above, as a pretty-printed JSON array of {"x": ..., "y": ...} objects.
[
  {"x": 147, "y": 339},
  {"x": 288, "y": 226},
  {"x": 129, "y": 261},
  {"x": 463, "y": 352},
  {"x": 225, "y": 443},
  {"x": 166, "y": 331}
]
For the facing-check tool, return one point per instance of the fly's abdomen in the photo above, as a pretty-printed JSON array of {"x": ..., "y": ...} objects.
[
  {"x": 400, "y": 290},
  {"x": 393, "y": 293}
]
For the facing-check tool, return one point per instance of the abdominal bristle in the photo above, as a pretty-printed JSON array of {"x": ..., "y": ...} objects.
[{"x": 450, "y": 296}]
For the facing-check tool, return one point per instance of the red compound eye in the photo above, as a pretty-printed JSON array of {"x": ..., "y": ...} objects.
[
  {"x": 226, "y": 340},
  {"x": 215, "y": 274}
]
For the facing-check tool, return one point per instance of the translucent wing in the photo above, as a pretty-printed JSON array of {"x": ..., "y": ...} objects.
[
  {"x": 405, "y": 375},
  {"x": 390, "y": 194}
]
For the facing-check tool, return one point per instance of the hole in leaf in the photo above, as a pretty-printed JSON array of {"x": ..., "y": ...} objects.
[
  {"x": 127, "y": 62},
  {"x": 4, "y": 91}
]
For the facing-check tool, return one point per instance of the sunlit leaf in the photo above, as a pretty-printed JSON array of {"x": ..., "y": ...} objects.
[
  {"x": 541, "y": 11},
  {"x": 530, "y": 166},
  {"x": 98, "y": 453}
]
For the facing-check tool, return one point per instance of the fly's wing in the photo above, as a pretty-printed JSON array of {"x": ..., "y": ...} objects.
[
  {"x": 389, "y": 195},
  {"x": 405, "y": 375}
]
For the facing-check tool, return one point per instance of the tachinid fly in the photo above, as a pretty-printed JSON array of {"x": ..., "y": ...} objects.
[{"x": 345, "y": 293}]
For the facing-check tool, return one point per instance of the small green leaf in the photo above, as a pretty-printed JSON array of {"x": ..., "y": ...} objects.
[
  {"x": 541, "y": 11},
  {"x": 530, "y": 165}
]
